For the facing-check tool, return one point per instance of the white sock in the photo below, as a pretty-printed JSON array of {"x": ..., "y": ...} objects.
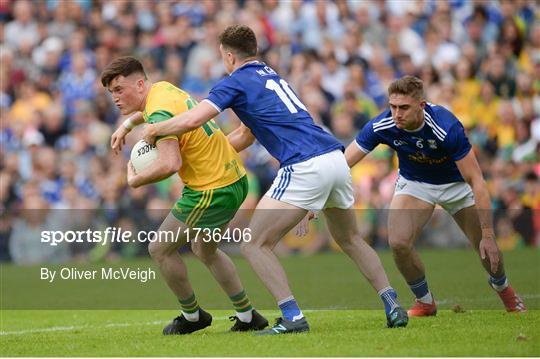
[
  {"x": 428, "y": 299},
  {"x": 245, "y": 317},
  {"x": 192, "y": 317}
]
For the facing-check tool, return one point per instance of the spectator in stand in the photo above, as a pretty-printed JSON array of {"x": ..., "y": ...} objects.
[{"x": 480, "y": 58}]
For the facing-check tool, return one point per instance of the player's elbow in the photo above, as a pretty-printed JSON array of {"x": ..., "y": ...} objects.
[
  {"x": 352, "y": 155},
  {"x": 350, "y": 161},
  {"x": 247, "y": 136},
  {"x": 248, "y": 141},
  {"x": 169, "y": 158},
  {"x": 171, "y": 167},
  {"x": 167, "y": 167}
]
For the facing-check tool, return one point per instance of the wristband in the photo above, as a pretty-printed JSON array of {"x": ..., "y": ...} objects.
[{"x": 128, "y": 124}]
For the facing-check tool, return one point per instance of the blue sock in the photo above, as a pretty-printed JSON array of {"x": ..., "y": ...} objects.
[
  {"x": 498, "y": 281},
  {"x": 389, "y": 298},
  {"x": 499, "y": 284},
  {"x": 289, "y": 309},
  {"x": 419, "y": 287}
]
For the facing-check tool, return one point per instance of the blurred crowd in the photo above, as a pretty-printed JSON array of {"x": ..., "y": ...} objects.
[{"x": 481, "y": 59}]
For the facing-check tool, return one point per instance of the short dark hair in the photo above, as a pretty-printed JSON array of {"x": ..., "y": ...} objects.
[
  {"x": 125, "y": 66},
  {"x": 240, "y": 39},
  {"x": 408, "y": 85}
]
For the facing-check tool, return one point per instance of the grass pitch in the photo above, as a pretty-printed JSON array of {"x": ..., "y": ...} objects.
[{"x": 329, "y": 289}]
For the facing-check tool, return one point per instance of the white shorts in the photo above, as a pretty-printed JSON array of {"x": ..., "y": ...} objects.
[
  {"x": 453, "y": 197},
  {"x": 321, "y": 182}
]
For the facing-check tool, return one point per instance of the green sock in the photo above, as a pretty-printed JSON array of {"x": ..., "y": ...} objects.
[
  {"x": 241, "y": 302},
  {"x": 242, "y": 306},
  {"x": 189, "y": 305}
]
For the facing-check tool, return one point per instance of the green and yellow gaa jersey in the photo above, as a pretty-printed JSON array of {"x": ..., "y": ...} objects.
[{"x": 208, "y": 159}]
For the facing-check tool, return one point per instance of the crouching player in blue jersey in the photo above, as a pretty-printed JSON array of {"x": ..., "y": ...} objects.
[
  {"x": 314, "y": 174},
  {"x": 436, "y": 166}
]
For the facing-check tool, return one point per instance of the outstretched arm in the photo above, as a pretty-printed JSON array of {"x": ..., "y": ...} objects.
[
  {"x": 182, "y": 123},
  {"x": 471, "y": 172}
]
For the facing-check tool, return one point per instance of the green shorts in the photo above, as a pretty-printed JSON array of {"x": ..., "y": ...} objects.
[{"x": 210, "y": 208}]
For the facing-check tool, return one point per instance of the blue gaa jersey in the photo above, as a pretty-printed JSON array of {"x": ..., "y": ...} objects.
[
  {"x": 427, "y": 154},
  {"x": 265, "y": 103}
]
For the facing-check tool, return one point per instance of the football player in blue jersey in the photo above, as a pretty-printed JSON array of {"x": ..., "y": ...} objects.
[
  {"x": 313, "y": 174},
  {"x": 437, "y": 166}
]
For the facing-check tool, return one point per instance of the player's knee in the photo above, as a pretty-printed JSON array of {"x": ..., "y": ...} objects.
[
  {"x": 247, "y": 248},
  {"x": 206, "y": 255},
  {"x": 197, "y": 250},
  {"x": 156, "y": 251},
  {"x": 349, "y": 238},
  {"x": 400, "y": 244}
]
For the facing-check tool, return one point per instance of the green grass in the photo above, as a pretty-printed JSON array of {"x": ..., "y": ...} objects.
[
  {"x": 334, "y": 333},
  {"x": 344, "y": 313}
]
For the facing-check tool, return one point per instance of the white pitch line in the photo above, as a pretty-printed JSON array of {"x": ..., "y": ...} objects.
[
  {"x": 73, "y": 327},
  {"x": 155, "y": 322},
  {"x": 42, "y": 330}
]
